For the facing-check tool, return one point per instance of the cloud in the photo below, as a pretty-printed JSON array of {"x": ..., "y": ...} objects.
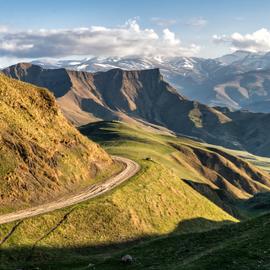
[
  {"x": 197, "y": 22},
  {"x": 8, "y": 61},
  {"x": 3, "y": 29},
  {"x": 163, "y": 22},
  {"x": 254, "y": 42},
  {"x": 128, "y": 39},
  {"x": 169, "y": 37}
]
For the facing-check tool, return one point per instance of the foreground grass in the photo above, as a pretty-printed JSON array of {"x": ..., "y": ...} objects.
[
  {"x": 241, "y": 246},
  {"x": 154, "y": 202},
  {"x": 155, "y": 216}
]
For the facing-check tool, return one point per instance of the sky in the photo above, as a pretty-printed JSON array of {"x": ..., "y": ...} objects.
[{"x": 74, "y": 29}]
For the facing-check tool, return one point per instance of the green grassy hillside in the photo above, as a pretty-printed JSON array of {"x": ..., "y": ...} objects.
[
  {"x": 157, "y": 204},
  {"x": 41, "y": 155},
  {"x": 224, "y": 176},
  {"x": 242, "y": 246}
]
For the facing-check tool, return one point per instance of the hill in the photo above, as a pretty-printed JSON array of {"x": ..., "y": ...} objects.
[
  {"x": 156, "y": 202},
  {"x": 41, "y": 155},
  {"x": 217, "y": 173}
]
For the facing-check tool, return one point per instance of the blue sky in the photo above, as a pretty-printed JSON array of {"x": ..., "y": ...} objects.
[{"x": 206, "y": 25}]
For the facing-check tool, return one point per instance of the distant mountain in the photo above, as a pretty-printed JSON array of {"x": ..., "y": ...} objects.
[
  {"x": 42, "y": 156},
  {"x": 143, "y": 96},
  {"x": 234, "y": 57},
  {"x": 247, "y": 61},
  {"x": 233, "y": 80},
  {"x": 174, "y": 69},
  {"x": 117, "y": 94}
]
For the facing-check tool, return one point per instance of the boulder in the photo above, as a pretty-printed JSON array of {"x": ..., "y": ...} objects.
[{"x": 127, "y": 259}]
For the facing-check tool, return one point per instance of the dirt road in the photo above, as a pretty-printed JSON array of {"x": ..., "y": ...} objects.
[{"x": 131, "y": 168}]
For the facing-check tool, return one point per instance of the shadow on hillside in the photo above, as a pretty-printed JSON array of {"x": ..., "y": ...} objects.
[
  {"x": 93, "y": 132},
  {"x": 97, "y": 110},
  {"x": 239, "y": 208},
  {"x": 79, "y": 257},
  {"x": 220, "y": 197}
]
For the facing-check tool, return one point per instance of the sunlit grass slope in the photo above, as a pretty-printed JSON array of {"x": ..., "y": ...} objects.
[
  {"x": 41, "y": 155},
  {"x": 167, "y": 197},
  {"x": 154, "y": 202},
  {"x": 216, "y": 172}
]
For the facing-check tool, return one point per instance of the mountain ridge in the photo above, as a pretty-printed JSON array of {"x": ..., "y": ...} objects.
[
  {"x": 144, "y": 96},
  {"x": 194, "y": 77}
]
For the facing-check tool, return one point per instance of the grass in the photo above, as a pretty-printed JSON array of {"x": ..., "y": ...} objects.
[
  {"x": 155, "y": 216},
  {"x": 152, "y": 203},
  {"x": 138, "y": 144},
  {"x": 241, "y": 246},
  {"x": 259, "y": 161},
  {"x": 41, "y": 155}
]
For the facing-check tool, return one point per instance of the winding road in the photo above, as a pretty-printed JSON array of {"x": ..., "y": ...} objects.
[{"x": 131, "y": 168}]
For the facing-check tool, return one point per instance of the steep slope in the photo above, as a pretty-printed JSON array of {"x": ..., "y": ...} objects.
[
  {"x": 155, "y": 206},
  {"x": 244, "y": 90},
  {"x": 118, "y": 94},
  {"x": 143, "y": 96},
  {"x": 219, "y": 175},
  {"x": 172, "y": 68},
  {"x": 247, "y": 131},
  {"x": 234, "y": 80},
  {"x": 41, "y": 155},
  {"x": 187, "y": 74}
]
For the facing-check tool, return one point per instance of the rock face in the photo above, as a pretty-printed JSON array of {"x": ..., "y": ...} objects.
[
  {"x": 41, "y": 154},
  {"x": 144, "y": 96},
  {"x": 116, "y": 94},
  {"x": 238, "y": 80}
]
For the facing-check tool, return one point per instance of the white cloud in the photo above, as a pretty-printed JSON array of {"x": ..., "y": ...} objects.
[
  {"x": 197, "y": 22},
  {"x": 3, "y": 29},
  {"x": 169, "y": 37},
  {"x": 8, "y": 61},
  {"x": 254, "y": 42},
  {"x": 163, "y": 22},
  {"x": 126, "y": 40}
]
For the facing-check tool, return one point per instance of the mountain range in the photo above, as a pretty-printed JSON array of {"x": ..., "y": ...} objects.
[
  {"x": 184, "y": 184},
  {"x": 144, "y": 96},
  {"x": 239, "y": 80}
]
